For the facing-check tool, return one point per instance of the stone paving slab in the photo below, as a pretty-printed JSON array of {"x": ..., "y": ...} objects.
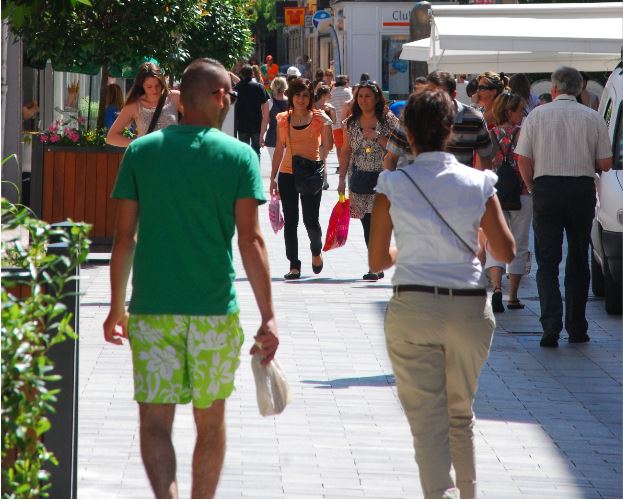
[{"x": 549, "y": 421}]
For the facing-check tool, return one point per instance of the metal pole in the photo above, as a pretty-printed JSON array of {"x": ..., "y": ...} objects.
[{"x": 89, "y": 108}]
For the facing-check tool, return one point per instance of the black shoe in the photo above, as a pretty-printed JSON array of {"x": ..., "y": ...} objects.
[
  {"x": 292, "y": 275},
  {"x": 579, "y": 339},
  {"x": 496, "y": 302},
  {"x": 549, "y": 340},
  {"x": 317, "y": 269},
  {"x": 370, "y": 277},
  {"x": 325, "y": 186},
  {"x": 381, "y": 275}
]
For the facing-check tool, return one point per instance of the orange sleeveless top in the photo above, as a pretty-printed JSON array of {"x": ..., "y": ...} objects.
[{"x": 305, "y": 142}]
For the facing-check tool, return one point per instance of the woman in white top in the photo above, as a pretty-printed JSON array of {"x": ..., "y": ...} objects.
[
  {"x": 149, "y": 87},
  {"x": 439, "y": 324}
]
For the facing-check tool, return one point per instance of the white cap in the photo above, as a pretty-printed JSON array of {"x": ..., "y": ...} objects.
[{"x": 293, "y": 71}]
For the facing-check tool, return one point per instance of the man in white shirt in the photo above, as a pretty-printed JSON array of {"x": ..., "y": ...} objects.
[{"x": 561, "y": 145}]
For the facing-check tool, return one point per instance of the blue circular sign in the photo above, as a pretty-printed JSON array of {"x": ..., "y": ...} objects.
[{"x": 320, "y": 17}]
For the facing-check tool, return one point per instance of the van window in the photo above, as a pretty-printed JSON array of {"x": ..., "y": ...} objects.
[
  {"x": 617, "y": 146},
  {"x": 608, "y": 112}
]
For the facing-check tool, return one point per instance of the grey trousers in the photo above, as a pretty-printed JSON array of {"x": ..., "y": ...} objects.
[{"x": 437, "y": 345}]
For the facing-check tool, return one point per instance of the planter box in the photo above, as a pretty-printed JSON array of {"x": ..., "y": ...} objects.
[{"x": 75, "y": 183}]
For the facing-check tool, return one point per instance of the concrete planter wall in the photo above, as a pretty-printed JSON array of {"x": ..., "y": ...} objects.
[{"x": 75, "y": 183}]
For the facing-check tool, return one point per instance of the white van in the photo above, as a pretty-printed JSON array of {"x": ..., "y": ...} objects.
[{"x": 607, "y": 231}]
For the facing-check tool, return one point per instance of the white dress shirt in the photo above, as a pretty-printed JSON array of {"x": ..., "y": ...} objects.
[
  {"x": 564, "y": 138},
  {"x": 428, "y": 252}
]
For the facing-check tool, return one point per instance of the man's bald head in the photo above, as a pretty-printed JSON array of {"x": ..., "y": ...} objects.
[{"x": 200, "y": 79}]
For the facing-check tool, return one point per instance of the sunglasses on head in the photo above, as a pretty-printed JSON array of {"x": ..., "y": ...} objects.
[
  {"x": 233, "y": 95},
  {"x": 368, "y": 84},
  {"x": 486, "y": 87}
]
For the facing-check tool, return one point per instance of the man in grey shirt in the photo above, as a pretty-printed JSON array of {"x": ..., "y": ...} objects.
[{"x": 561, "y": 145}]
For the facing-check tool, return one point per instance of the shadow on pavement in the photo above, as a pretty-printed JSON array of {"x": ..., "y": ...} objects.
[{"x": 344, "y": 383}]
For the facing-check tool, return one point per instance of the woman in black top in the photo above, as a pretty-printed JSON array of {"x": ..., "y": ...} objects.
[{"x": 277, "y": 104}]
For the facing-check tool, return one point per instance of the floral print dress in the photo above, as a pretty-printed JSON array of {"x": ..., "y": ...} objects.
[{"x": 367, "y": 154}]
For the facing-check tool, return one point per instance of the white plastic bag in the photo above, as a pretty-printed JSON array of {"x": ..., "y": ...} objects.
[{"x": 271, "y": 386}]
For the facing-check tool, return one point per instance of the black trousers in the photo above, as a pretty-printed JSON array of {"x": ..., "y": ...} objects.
[
  {"x": 563, "y": 205},
  {"x": 311, "y": 210},
  {"x": 252, "y": 138},
  {"x": 366, "y": 222}
]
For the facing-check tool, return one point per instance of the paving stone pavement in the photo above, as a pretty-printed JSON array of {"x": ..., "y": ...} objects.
[{"x": 549, "y": 421}]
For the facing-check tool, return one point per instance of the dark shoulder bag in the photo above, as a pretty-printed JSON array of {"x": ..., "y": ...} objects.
[
  {"x": 157, "y": 113},
  {"x": 508, "y": 185},
  {"x": 362, "y": 181},
  {"x": 308, "y": 174}
]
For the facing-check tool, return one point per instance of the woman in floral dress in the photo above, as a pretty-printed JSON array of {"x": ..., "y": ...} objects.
[{"x": 365, "y": 137}]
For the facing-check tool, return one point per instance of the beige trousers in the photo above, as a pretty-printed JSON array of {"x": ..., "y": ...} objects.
[{"x": 437, "y": 345}]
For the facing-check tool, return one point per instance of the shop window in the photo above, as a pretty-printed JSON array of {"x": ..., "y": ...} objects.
[{"x": 395, "y": 70}]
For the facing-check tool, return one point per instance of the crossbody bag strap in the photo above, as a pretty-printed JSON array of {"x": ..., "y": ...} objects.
[
  {"x": 157, "y": 113},
  {"x": 469, "y": 249}
]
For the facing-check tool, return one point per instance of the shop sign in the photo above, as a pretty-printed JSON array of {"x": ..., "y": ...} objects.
[
  {"x": 308, "y": 21},
  {"x": 294, "y": 16},
  {"x": 396, "y": 17}
]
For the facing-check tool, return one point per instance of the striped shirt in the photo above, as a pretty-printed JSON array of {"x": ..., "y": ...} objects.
[
  {"x": 564, "y": 138},
  {"x": 339, "y": 96},
  {"x": 469, "y": 134}
]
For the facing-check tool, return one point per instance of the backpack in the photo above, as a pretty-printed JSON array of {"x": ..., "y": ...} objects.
[{"x": 509, "y": 183}]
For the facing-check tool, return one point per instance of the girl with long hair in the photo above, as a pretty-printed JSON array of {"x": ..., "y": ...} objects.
[
  {"x": 300, "y": 131},
  {"x": 150, "y": 87},
  {"x": 365, "y": 136}
]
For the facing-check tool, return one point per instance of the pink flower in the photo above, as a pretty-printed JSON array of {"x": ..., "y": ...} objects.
[
  {"x": 53, "y": 127},
  {"x": 73, "y": 136},
  {"x": 67, "y": 131},
  {"x": 82, "y": 120},
  {"x": 43, "y": 138},
  {"x": 55, "y": 138}
]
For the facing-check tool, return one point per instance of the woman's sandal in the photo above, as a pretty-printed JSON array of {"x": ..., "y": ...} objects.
[
  {"x": 292, "y": 275},
  {"x": 317, "y": 269},
  {"x": 514, "y": 304},
  {"x": 496, "y": 301}
]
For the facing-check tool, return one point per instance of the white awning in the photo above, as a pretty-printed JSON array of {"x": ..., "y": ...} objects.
[
  {"x": 475, "y": 61},
  {"x": 596, "y": 35},
  {"x": 588, "y": 37}
]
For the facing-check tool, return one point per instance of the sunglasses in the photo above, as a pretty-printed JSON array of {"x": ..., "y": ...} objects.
[
  {"x": 368, "y": 84},
  {"x": 233, "y": 95},
  {"x": 486, "y": 87}
]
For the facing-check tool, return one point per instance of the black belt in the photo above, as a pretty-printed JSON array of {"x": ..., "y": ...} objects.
[{"x": 471, "y": 292}]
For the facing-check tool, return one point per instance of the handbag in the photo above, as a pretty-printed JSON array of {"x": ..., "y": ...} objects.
[
  {"x": 337, "y": 232},
  {"x": 362, "y": 181},
  {"x": 469, "y": 249},
  {"x": 508, "y": 185},
  {"x": 274, "y": 214},
  {"x": 308, "y": 174}
]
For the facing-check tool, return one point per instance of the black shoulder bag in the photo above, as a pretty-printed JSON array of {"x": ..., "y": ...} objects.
[
  {"x": 469, "y": 249},
  {"x": 508, "y": 185},
  {"x": 362, "y": 181},
  {"x": 157, "y": 113},
  {"x": 308, "y": 174}
]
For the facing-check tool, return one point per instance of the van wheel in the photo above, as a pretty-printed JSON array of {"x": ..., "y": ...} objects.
[
  {"x": 597, "y": 277},
  {"x": 612, "y": 292}
]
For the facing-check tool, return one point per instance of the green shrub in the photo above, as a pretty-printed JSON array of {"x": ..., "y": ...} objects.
[{"x": 30, "y": 327}]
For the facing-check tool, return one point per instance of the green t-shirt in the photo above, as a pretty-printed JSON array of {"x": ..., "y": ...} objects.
[{"x": 186, "y": 180}]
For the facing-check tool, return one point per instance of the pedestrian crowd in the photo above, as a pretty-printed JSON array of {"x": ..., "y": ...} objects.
[{"x": 457, "y": 186}]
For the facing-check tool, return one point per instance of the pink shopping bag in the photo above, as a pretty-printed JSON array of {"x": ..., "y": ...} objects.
[
  {"x": 274, "y": 214},
  {"x": 337, "y": 232}
]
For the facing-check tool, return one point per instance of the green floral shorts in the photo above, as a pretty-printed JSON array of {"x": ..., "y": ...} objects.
[{"x": 179, "y": 359}]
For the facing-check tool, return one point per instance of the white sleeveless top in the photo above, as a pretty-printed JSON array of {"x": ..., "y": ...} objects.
[
  {"x": 168, "y": 116},
  {"x": 428, "y": 252}
]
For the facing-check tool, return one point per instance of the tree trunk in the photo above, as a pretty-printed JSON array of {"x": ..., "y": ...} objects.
[{"x": 103, "y": 91}]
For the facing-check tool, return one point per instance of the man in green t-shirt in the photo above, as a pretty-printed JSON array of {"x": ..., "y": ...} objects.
[{"x": 182, "y": 192}]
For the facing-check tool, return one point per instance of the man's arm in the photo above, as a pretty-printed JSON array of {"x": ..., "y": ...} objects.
[
  {"x": 604, "y": 164},
  {"x": 255, "y": 262},
  {"x": 264, "y": 126},
  {"x": 526, "y": 169},
  {"x": 120, "y": 265}
]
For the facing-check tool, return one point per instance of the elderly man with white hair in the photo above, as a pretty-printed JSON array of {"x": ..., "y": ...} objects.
[{"x": 561, "y": 146}]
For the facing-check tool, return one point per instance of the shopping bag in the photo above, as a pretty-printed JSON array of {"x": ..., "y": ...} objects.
[
  {"x": 274, "y": 214},
  {"x": 337, "y": 232},
  {"x": 271, "y": 387}
]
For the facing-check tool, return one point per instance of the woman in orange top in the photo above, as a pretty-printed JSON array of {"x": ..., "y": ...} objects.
[{"x": 300, "y": 131}]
